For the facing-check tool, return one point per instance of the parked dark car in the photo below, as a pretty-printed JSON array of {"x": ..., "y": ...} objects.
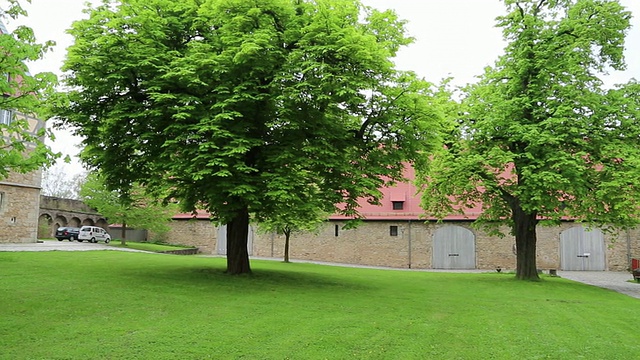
[{"x": 67, "y": 233}]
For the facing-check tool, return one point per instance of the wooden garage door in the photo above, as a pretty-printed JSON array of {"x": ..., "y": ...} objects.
[
  {"x": 222, "y": 240},
  {"x": 454, "y": 247},
  {"x": 582, "y": 250}
]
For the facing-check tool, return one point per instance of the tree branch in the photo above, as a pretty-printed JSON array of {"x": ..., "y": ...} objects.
[
  {"x": 369, "y": 121},
  {"x": 537, "y": 8},
  {"x": 520, "y": 9}
]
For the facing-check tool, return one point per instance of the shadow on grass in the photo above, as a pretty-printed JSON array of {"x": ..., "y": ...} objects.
[{"x": 261, "y": 280}]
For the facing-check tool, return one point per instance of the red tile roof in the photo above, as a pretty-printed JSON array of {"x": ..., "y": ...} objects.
[
  {"x": 411, "y": 209},
  {"x": 405, "y": 192},
  {"x": 199, "y": 214}
]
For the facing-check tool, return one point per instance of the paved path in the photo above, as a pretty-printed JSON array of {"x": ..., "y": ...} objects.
[
  {"x": 60, "y": 246},
  {"x": 613, "y": 280},
  {"x": 617, "y": 281}
]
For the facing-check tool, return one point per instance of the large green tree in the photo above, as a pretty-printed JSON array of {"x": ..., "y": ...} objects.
[
  {"x": 21, "y": 148},
  {"x": 540, "y": 138},
  {"x": 230, "y": 103}
]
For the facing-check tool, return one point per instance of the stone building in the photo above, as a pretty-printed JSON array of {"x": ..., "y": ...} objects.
[
  {"x": 19, "y": 203},
  {"x": 454, "y": 244},
  {"x": 57, "y": 212},
  {"x": 19, "y": 193},
  {"x": 395, "y": 234}
]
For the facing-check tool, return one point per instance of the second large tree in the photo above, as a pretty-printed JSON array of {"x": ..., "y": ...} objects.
[
  {"x": 237, "y": 105},
  {"x": 540, "y": 138}
]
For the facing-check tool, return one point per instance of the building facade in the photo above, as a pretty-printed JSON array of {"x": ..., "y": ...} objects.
[
  {"x": 20, "y": 196},
  {"x": 396, "y": 234},
  {"x": 19, "y": 193},
  {"x": 420, "y": 244},
  {"x": 56, "y": 212}
]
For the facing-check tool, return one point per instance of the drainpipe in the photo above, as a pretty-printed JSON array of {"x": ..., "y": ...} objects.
[
  {"x": 409, "y": 240},
  {"x": 273, "y": 235},
  {"x": 629, "y": 249}
]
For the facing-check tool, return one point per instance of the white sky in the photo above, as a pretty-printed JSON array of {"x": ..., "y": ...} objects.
[{"x": 453, "y": 38}]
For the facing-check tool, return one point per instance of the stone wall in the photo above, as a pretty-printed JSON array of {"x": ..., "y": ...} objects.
[
  {"x": 20, "y": 198},
  {"x": 200, "y": 233},
  {"x": 70, "y": 205},
  {"x": 32, "y": 179},
  {"x": 19, "y": 203},
  {"x": 56, "y": 212},
  {"x": 372, "y": 244},
  {"x": 18, "y": 214},
  {"x": 365, "y": 245},
  {"x": 634, "y": 247}
]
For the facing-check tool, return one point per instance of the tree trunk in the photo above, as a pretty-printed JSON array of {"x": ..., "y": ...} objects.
[
  {"x": 525, "y": 232},
  {"x": 123, "y": 233},
  {"x": 237, "y": 235},
  {"x": 287, "y": 235}
]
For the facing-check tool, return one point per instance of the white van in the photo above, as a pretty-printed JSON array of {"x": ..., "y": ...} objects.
[{"x": 93, "y": 234}]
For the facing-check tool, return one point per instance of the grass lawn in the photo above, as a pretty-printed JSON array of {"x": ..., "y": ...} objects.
[{"x": 117, "y": 305}]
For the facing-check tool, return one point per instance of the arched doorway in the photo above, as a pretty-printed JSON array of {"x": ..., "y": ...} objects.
[
  {"x": 582, "y": 249},
  {"x": 454, "y": 247},
  {"x": 45, "y": 230},
  {"x": 74, "y": 222},
  {"x": 103, "y": 224}
]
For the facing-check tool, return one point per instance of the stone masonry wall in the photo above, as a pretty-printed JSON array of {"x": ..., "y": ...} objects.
[
  {"x": 71, "y": 205},
  {"x": 372, "y": 244},
  {"x": 32, "y": 179},
  {"x": 202, "y": 234},
  {"x": 634, "y": 246},
  {"x": 365, "y": 245},
  {"x": 19, "y": 207}
]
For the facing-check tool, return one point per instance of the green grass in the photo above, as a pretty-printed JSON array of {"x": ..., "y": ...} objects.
[
  {"x": 113, "y": 305},
  {"x": 147, "y": 246}
]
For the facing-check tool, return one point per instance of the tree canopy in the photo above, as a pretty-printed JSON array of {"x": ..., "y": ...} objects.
[
  {"x": 297, "y": 215},
  {"x": 539, "y": 137},
  {"x": 233, "y": 106},
  {"x": 135, "y": 209},
  {"x": 21, "y": 149}
]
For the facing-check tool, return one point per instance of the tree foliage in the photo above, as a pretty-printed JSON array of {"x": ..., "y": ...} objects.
[
  {"x": 135, "y": 209},
  {"x": 235, "y": 105},
  {"x": 540, "y": 138},
  {"x": 20, "y": 149},
  {"x": 296, "y": 217}
]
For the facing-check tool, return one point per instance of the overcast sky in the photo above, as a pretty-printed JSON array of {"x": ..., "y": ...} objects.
[{"x": 453, "y": 38}]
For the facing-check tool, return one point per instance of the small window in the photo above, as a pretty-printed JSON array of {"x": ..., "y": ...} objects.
[
  {"x": 336, "y": 229},
  {"x": 398, "y": 205},
  {"x": 6, "y": 116},
  {"x": 393, "y": 230}
]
